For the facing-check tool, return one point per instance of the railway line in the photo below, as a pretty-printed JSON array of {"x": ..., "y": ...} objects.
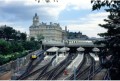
[
  {"x": 107, "y": 76},
  {"x": 63, "y": 67},
  {"x": 97, "y": 70},
  {"x": 71, "y": 77},
  {"x": 35, "y": 74},
  {"x": 87, "y": 68},
  {"x": 84, "y": 67},
  {"x": 30, "y": 66},
  {"x": 92, "y": 75},
  {"x": 55, "y": 72}
]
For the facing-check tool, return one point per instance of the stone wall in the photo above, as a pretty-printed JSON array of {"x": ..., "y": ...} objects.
[{"x": 16, "y": 64}]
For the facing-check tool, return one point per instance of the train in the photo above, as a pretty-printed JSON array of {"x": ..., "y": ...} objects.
[
  {"x": 37, "y": 54},
  {"x": 33, "y": 56}
]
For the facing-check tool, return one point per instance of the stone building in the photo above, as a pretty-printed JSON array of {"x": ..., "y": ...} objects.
[{"x": 53, "y": 31}]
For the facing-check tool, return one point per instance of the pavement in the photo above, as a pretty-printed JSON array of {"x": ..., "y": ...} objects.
[{"x": 6, "y": 76}]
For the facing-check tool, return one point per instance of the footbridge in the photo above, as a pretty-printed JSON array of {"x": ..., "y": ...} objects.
[{"x": 73, "y": 45}]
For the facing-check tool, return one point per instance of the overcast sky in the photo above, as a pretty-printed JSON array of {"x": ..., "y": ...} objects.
[{"x": 77, "y": 15}]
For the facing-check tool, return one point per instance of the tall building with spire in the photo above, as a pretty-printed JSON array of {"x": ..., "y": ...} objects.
[
  {"x": 51, "y": 31},
  {"x": 36, "y": 20}
]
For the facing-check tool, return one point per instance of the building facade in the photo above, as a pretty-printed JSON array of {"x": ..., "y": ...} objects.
[{"x": 51, "y": 32}]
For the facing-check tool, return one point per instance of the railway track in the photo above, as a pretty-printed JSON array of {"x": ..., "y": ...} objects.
[
  {"x": 45, "y": 69},
  {"x": 107, "y": 76},
  {"x": 39, "y": 71},
  {"x": 92, "y": 75},
  {"x": 79, "y": 67},
  {"x": 30, "y": 66},
  {"x": 55, "y": 72},
  {"x": 86, "y": 70},
  {"x": 60, "y": 71},
  {"x": 83, "y": 69}
]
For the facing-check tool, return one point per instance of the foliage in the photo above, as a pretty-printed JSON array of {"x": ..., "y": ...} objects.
[
  {"x": 8, "y": 33},
  {"x": 6, "y": 58},
  {"x": 31, "y": 45},
  {"x": 40, "y": 37},
  {"x": 112, "y": 36},
  {"x": 4, "y": 46},
  {"x": 23, "y": 36},
  {"x": 32, "y": 39},
  {"x": 13, "y": 44},
  {"x": 97, "y": 4}
]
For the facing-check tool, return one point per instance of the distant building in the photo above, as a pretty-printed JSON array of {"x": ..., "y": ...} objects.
[
  {"x": 76, "y": 35},
  {"x": 53, "y": 31}
]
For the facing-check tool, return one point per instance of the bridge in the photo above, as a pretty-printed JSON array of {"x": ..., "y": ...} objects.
[{"x": 73, "y": 45}]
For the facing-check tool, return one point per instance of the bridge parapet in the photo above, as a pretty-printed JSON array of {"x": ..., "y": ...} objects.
[{"x": 72, "y": 44}]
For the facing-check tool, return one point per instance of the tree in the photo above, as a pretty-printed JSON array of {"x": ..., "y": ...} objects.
[
  {"x": 97, "y": 4},
  {"x": 23, "y": 36},
  {"x": 32, "y": 39},
  {"x": 7, "y": 32},
  {"x": 40, "y": 37},
  {"x": 4, "y": 47},
  {"x": 112, "y": 36}
]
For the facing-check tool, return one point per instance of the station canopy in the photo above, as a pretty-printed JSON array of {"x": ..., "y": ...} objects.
[
  {"x": 64, "y": 49},
  {"x": 95, "y": 49},
  {"x": 53, "y": 49},
  {"x": 80, "y": 49}
]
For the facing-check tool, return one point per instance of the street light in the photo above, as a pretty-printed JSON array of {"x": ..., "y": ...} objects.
[{"x": 75, "y": 70}]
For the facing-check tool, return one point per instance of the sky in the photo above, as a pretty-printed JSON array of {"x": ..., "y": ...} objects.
[{"x": 77, "y": 15}]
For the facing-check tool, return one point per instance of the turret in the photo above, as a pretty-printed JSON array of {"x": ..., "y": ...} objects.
[{"x": 36, "y": 20}]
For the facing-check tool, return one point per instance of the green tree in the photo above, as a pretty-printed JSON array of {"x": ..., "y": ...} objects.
[
  {"x": 112, "y": 36},
  {"x": 32, "y": 39},
  {"x": 4, "y": 47},
  {"x": 23, "y": 36},
  {"x": 1, "y": 32},
  {"x": 7, "y": 31},
  {"x": 40, "y": 37}
]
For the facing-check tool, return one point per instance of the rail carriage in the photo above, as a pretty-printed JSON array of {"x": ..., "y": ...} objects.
[{"x": 34, "y": 56}]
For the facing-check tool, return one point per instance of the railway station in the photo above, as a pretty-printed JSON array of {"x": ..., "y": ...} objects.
[
  {"x": 60, "y": 63},
  {"x": 60, "y": 40}
]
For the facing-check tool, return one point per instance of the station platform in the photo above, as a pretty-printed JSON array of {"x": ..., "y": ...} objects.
[
  {"x": 57, "y": 60},
  {"x": 70, "y": 69}
]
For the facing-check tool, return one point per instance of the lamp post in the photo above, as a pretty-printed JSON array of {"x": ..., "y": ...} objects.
[
  {"x": 12, "y": 70},
  {"x": 18, "y": 64},
  {"x": 75, "y": 69}
]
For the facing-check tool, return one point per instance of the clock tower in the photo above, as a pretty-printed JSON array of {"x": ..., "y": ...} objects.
[{"x": 36, "y": 20}]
